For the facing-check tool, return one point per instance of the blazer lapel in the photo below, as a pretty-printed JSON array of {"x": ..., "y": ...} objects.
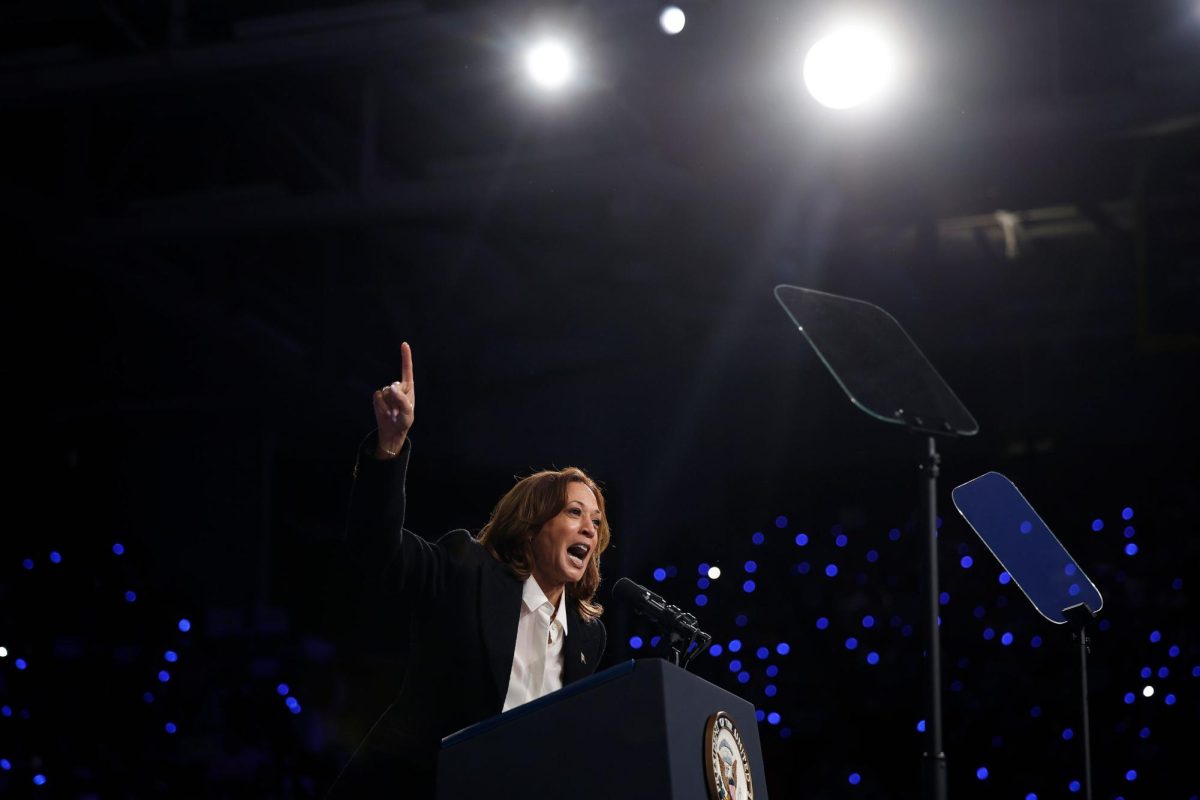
[
  {"x": 500, "y": 611},
  {"x": 579, "y": 648}
]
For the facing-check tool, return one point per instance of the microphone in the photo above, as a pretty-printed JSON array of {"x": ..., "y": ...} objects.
[{"x": 679, "y": 626}]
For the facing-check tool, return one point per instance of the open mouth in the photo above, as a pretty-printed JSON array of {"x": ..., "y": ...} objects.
[{"x": 577, "y": 554}]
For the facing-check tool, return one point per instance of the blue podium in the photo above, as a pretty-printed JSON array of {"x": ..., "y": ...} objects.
[{"x": 641, "y": 729}]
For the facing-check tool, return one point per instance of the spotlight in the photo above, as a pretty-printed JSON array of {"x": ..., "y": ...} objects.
[
  {"x": 549, "y": 64},
  {"x": 671, "y": 20},
  {"x": 849, "y": 67}
]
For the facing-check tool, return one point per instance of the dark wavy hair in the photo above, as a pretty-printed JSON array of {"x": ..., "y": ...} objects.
[{"x": 522, "y": 512}]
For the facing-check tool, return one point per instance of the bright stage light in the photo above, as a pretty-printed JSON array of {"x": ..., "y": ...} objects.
[
  {"x": 672, "y": 20},
  {"x": 549, "y": 64},
  {"x": 849, "y": 67}
]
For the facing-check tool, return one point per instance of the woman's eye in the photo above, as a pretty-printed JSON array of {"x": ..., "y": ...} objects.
[
  {"x": 596, "y": 522},
  {"x": 573, "y": 512}
]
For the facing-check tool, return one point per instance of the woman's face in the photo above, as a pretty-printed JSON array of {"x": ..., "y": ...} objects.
[{"x": 561, "y": 549}]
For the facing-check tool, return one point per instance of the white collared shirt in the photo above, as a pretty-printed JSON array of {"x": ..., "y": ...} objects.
[{"x": 538, "y": 657}]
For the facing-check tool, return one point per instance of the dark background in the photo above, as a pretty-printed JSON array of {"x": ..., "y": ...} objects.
[{"x": 223, "y": 218}]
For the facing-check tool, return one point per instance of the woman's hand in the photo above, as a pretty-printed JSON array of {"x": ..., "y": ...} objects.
[{"x": 395, "y": 408}]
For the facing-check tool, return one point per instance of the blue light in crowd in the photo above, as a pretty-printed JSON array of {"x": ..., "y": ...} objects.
[
  {"x": 966, "y": 562},
  {"x": 20, "y": 663},
  {"x": 762, "y": 653},
  {"x": 1035, "y": 641},
  {"x": 660, "y": 574},
  {"x": 635, "y": 642},
  {"x": 1026, "y": 527},
  {"x": 282, "y": 690},
  {"x": 1006, "y": 639},
  {"x": 1097, "y": 524},
  {"x": 6, "y": 711},
  {"x": 823, "y": 623},
  {"x": 1169, "y": 699},
  {"x": 1144, "y": 733},
  {"x": 148, "y": 697},
  {"x": 5, "y": 764},
  {"x": 164, "y": 676},
  {"x": 740, "y": 620},
  {"x": 750, "y": 566},
  {"x": 130, "y": 596},
  {"x": 989, "y": 634},
  {"x": 868, "y": 621},
  {"x": 1131, "y": 549},
  {"x": 1073, "y": 786},
  {"x": 735, "y": 645},
  {"x": 1130, "y": 532},
  {"x": 654, "y": 640},
  {"x": 956, "y": 686},
  {"x": 760, "y": 715},
  {"x": 1127, "y": 513},
  {"x": 773, "y": 718},
  {"x": 906, "y": 631},
  {"x": 979, "y": 612},
  {"x": 831, "y": 570},
  {"x": 27, "y": 563},
  {"x": 702, "y": 583},
  {"x": 118, "y": 548},
  {"x": 291, "y": 702},
  {"x": 185, "y": 625},
  {"x": 170, "y": 727},
  {"x": 1068, "y": 734},
  {"x": 1105, "y": 624},
  {"x": 748, "y": 587},
  {"x": 703, "y": 570},
  {"x": 1155, "y": 636},
  {"x": 872, "y": 658},
  {"x": 1005, "y": 578},
  {"x": 783, "y": 648},
  {"x": 841, "y": 540},
  {"x": 854, "y": 778},
  {"x": 701, "y": 600},
  {"x": 295, "y": 709},
  {"x": 872, "y": 556},
  {"x": 921, "y": 726},
  {"x": 1196, "y": 672},
  {"x": 944, "y": 598},
  {"x": 851, "y": 643},
  {"x": 772, "y": 671},
  {"x": 770, "y": 690},
  {"x": 1129, "y": 698},
  {"x": 781, "y": 521},
  {"x": 1131, "y": 775},
  {"x": 39, "y": 779},
  {"x": 1174, "y": 651},
  {"x": 715, "y": 650},
  {"x": 894, "y": 534},
  {"x": 735, "y": 666},
  {"x": 1163, "y": 672},
  {"x": 171, "y": 656},
  {"x": 743, "y": 677},
  {"x": 1031, "y": 796},
  {"x": 981, "y": 773},
  {"x": 803, "y": 568},
  {"x": 758, "y": 537},
  {"x": 55, "y": 557},
  {"x": 1069, "y": 570},
  {"x": 1073, "y": 589},
  {"x": 1035, "y": 712},
  {"x": 801, "y": 539}
]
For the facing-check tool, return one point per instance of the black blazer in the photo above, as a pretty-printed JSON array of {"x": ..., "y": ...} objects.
[{"x": 465, "y": 606}]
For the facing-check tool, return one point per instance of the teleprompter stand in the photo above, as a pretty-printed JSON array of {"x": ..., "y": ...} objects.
[
  {"x": 886, "y": 375},
  {"x": 1040, "y": 567}
]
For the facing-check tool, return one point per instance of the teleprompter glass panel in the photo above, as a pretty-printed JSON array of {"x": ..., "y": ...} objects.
[
  {"x": 879, "y": 367},
  {"x": 1023, "y": 544}
]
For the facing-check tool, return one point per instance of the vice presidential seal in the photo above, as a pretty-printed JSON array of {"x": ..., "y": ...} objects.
[{"x": 726, "y": 764}]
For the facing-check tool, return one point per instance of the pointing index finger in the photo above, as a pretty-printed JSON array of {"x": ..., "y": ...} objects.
[{"x": 406, "y": 373}]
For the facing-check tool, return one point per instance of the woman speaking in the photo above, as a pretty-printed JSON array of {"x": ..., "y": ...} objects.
[{"x": 497, "y": 620}]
